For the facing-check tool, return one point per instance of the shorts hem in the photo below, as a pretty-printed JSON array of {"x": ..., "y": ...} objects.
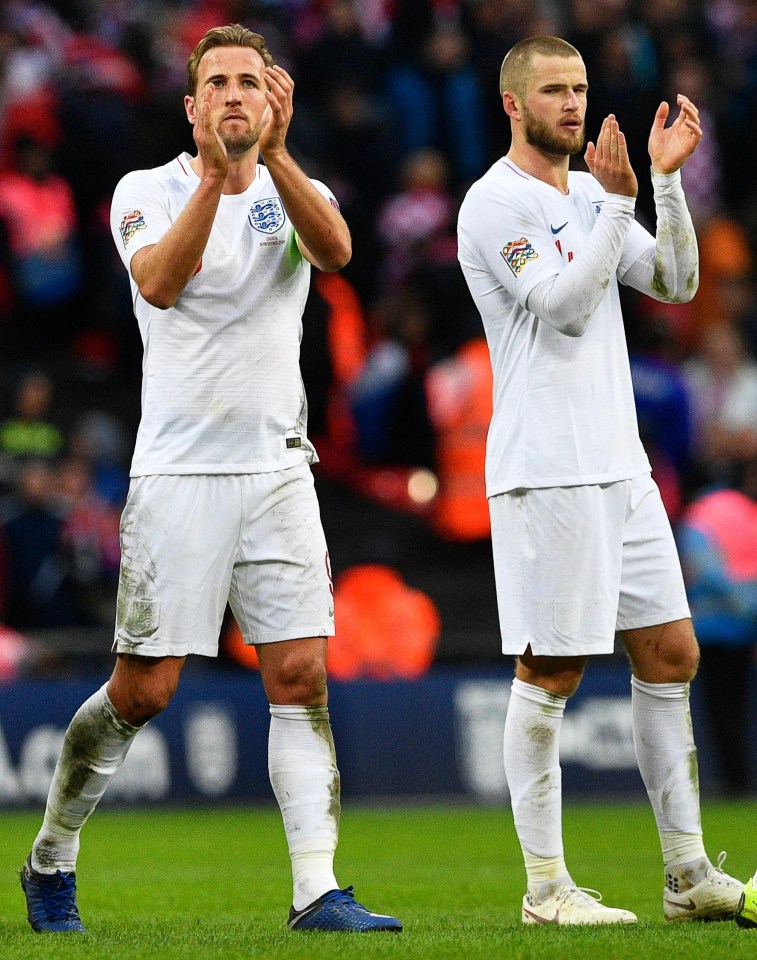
[
  {"x": 654, "y": 620},
  {"x": 159, "y": 650},
  {"x": 294, "y": 633},
  {"x": 564, "y": 651}
]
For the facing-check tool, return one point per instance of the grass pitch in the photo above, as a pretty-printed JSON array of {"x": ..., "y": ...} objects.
[{"x": 201, "y": 885}]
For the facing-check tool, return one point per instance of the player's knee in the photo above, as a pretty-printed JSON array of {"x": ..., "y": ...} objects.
[
  {"x": 564, "y": 684},
  {"x": 676, "y": 663},
  {"x": 143, "y": 705},
  {"x": 685, "y": 663},
  {"x": 302, "y": 680},
  {"x": 560, "y": 675}
]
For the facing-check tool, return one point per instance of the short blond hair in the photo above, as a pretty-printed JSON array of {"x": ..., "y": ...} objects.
[
  {"x": 516, "y": 70},
  {"x": 233, "y": 35}
]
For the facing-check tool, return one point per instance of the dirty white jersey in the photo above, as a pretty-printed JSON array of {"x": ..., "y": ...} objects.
[
  {"x": 564, "y": 410},
  {"x": 221, "y": 388}
]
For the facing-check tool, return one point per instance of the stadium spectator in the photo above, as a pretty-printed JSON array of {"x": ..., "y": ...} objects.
[
  {"x": 106, "y": 335},
  {"x": 28, "y": 432},
  {"x": 702, "y": 178},
  {"x": 356, "y": 150},
  {"x": 725, "y": 260},
  {"x": 340, "y": 53},
  {"x": 39, "y": 211},
  {"x": 722, "y": 383},
  {"x": 99, "y": 439},
  {"x": 582, "y": 546},
  {"x": 663, "y": 407},
  {"x": 437, "y": 100},
  {"x": 219, "y": 250},
  {"x": 334, "y": 352},
  {"x": 30, "y": 47},
  {"x": 38, "y": 591},
  {"x": 89, "y": 536},
  {"x": 388, "y": 398},
  {"x": 412, "y": 218},
  {"x": 718, "y": 543},
  {"x": 459, "y": 390}
]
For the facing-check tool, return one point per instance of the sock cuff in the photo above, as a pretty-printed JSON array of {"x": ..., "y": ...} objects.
[
  {"x": 552, "y": 703},
  {"x": 540, "y": 869},
  {"x": 662, "y": 691},
  {"x": 296, "y": 712},
  {"x": 680, "y": 848},
  {"x": 113, "y": 717}
]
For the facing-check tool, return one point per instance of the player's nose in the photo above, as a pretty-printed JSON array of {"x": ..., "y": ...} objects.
[{"x": 233, "y": 93}]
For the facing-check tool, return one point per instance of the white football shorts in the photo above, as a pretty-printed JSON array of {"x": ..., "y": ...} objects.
[
  {"x": 574, "y": 564},
  {"x": 189, "y": 544}
]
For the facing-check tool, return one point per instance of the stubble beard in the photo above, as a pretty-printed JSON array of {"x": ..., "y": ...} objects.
[
  {"x": 539, "y": 135},
  {"x": 239, "y": 144}
]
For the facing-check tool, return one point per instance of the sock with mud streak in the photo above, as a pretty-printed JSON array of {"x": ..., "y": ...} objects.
[
  {"x": 305, "y": 780},
  {"x": 95, "y": 745},
  {"x": 532, "y": 765},
  {"x": 667, "y": 757}
]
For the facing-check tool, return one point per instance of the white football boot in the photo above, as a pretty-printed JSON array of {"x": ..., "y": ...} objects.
[
  {"x": 573, "y": 906},
  {"x": 715, "y": 897}
]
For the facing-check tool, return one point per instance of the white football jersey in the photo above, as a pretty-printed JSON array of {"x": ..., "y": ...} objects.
[
  {"x": 221, "y": 389},
  {"x": 564, "y": 410}
]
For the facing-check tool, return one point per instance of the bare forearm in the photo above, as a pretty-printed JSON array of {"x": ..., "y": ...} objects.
[
  {"x": 321, "y": 228},
  {"x": 163, "y": 270}
]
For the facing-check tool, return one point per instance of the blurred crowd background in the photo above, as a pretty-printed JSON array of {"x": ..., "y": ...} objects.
[{"x": 397, "y": 109}]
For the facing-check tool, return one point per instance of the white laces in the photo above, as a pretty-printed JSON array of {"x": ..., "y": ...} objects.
[{"x": 586, "y": 893}]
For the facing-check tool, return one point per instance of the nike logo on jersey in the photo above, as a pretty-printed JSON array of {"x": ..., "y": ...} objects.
[{"x": 558, "y": 229}]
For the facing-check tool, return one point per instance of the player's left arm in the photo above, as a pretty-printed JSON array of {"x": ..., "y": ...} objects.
[
  {"x": 322, "y": 234},
  {"x": 668, "y": 268}
]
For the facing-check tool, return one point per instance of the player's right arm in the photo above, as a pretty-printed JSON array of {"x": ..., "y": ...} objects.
[
  {"x": 500, "y": 233},
  {"x": 163, "y": 270}
]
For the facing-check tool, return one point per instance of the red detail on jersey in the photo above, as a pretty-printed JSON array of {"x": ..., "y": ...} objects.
[
  {"x": 199, "y": 267},
  {"x": 559, "y": 248},
  {"x": 570, "y": 255}
]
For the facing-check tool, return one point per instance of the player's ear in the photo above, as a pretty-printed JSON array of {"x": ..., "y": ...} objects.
[
  {"x": 191, "y": 107},
  {"x": 511, "y": 105}
]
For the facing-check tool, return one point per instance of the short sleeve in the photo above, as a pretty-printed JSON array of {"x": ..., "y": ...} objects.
[
  {"x": 139, "y": 214},
  {"x": 325, "y": 192}
]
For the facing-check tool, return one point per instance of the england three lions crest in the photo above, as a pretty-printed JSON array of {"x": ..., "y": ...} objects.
[{"x": 267, "y": 216}]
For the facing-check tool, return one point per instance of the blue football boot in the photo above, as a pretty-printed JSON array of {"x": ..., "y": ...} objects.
[
  {"x": 338, "y": 911},
  {"x": 51, "y": 900}
]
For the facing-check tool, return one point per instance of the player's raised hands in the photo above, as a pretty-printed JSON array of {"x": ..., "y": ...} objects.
[
  {"x": 608, "y": 160},
  {"x": 278, "y": 113},
  {"x": 670, "y": 147},
  {"x": 210, "y": 147}
]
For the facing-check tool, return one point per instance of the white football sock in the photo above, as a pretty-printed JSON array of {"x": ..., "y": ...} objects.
[
  {"x": 532, "y": 766},
  {"x": 95, "y": 745},
  {"x": 667, "y": 757},
  {"x": 305, "y": 780}
]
